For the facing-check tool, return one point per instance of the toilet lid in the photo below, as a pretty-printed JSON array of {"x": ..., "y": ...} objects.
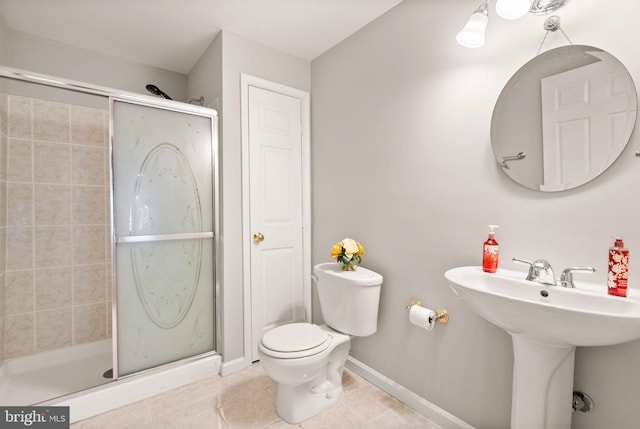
[{"x": 296, "y": 337}]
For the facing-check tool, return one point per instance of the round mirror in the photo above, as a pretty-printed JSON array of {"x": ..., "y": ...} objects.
[{"x": 563, "y": 118}]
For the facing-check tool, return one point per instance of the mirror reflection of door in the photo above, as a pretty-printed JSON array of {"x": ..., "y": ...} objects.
[{"x": 584, "y": 120}]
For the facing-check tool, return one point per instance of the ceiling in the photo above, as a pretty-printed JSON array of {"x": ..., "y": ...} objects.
[{"x": 173, "y": 34}]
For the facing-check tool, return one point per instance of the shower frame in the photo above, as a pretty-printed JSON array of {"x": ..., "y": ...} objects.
[{"x": 161, "y": 103}]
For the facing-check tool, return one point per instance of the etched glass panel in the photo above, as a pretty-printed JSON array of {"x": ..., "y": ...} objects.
[{"x": 163, "y": 221}]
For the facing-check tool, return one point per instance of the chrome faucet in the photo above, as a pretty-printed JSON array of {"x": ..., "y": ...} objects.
[
  {"x": 566, "y": 278},
  {"x": 539, "y": 271}
]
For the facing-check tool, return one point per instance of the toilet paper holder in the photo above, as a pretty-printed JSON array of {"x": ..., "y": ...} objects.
[{"x": 442, "y": 315}]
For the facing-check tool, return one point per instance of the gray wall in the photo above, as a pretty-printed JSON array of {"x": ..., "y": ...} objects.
[
  {"x": 3, "y": 41},
  {"x": 35, "y": 54},
  {"x": 402, "y": 162},
  {"x": 205, "y": 78}
]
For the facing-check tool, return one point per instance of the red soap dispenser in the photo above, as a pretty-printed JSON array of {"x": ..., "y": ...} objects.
[
  {"x": 618, "y": 275},
  {"x": 490, "y": 251}
]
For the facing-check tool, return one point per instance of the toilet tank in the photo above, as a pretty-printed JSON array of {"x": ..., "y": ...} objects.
[{"x": 349, "y": 299}]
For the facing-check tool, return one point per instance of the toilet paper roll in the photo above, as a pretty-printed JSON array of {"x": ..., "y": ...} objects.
[{"x": 422, "y": 317}]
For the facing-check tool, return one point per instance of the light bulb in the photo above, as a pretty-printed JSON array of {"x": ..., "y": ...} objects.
[
  {"x": 512, "y": 9},
  {"x": 472, "y": 35}
]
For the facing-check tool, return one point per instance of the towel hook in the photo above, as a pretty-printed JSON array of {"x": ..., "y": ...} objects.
[{"x": 519, "y": 156}]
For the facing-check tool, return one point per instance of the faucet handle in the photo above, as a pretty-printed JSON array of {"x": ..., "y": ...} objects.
[
  {"x": 538, "y": 263},
  {"x": 535, "y": 268},
  {"x": 532, "y": 275},
  {"x": 522, "y": 260},
  {"x": 566, "y": 278}
]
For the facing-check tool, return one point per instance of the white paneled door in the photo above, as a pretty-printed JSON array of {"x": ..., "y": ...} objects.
[{"x": 275, "y": 166}]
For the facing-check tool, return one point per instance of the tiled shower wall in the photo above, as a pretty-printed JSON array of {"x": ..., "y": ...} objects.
[
  {"x": 57, "y": 268},
  {"x": 3, "y": 211}
]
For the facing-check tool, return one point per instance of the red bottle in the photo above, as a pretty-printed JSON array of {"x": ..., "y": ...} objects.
[
  {"x": 618, "y": 275},
  {"x": 490, "y": 252}
]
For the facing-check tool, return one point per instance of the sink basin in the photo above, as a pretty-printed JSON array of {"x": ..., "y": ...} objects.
[
  {"x": 546, "y": 323},
  {"x": 584, "y": 316}
]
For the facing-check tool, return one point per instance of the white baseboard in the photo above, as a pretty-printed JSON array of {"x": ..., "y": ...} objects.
[
  {"x": 234, "y": 365},
  {"x": 411, "y": 399}
]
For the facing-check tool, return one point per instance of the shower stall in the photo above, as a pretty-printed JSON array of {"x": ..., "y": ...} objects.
[{"x": 108, "y": 242}]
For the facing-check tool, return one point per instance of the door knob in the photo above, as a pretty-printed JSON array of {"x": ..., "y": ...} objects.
[{"x": 258, "y": 237}]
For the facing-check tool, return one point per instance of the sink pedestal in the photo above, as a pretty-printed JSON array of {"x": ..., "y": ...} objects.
[
  {"x": 542, "y": 385},
  {"x": 546, "y": 324}
]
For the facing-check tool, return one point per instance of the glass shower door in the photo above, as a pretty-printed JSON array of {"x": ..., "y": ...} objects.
[{"x": 163, "y": 198}]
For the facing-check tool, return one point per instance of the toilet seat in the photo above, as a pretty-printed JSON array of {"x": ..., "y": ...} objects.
[{"x": 295, "y": 340}]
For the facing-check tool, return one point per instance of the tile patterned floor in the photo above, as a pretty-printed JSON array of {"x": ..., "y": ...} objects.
[{"x": 245, "y": 400}]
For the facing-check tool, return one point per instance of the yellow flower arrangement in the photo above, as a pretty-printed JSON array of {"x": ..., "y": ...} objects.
[{"x": 347, "y": 252}]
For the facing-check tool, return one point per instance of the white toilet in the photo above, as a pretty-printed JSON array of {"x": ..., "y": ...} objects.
[{"x": 307, "y": 360}]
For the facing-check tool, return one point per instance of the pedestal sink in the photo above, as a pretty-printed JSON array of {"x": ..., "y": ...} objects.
[{"x": 546, "y": 324}]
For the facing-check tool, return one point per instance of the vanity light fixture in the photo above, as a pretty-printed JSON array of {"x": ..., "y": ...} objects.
[
  {"x": 472, "y": 35},
  {"x": 512, "y": 9}
]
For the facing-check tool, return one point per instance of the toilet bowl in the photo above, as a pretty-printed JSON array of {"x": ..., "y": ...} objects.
[
  {"x": 309, "y": 380},
  {"x": 307, "y": 360}
]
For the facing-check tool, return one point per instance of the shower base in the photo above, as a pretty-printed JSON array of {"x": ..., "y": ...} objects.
[
  {"x": 73, "y": 377},
  {"x": 29, "y": 380}
]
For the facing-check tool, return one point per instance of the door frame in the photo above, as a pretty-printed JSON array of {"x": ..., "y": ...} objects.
[{"x": 247, "y": 81}]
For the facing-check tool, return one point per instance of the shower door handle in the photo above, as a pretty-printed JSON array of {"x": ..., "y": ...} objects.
[
  {"x": 162, "y": 237},
  {"x": 258, "y": 237}
]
